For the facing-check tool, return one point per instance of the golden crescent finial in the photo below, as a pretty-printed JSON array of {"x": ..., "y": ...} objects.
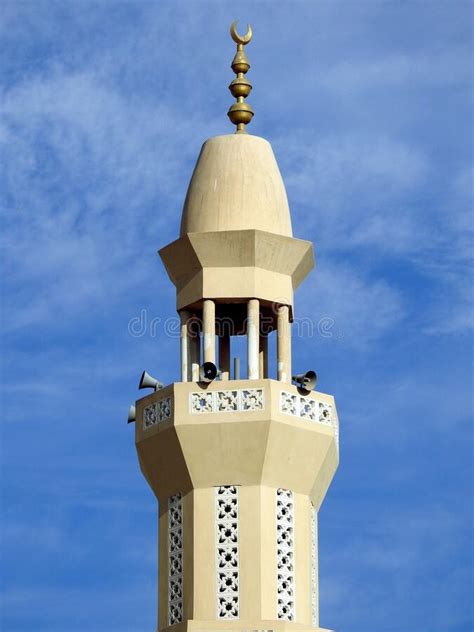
[
  {"x": 239, "y": 39},
  {"x": 240, "y": 113}
]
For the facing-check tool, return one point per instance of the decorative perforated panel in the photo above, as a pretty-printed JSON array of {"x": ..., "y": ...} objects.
[
  {"x": 285, "y": 542},
  {"x": 301, "y": 406},
  {"x": 227, "y": 551},
  {"x": 175, "y": 559},
  {"x": 156, "y": 412},
  {"x": 239, "y": 400}
]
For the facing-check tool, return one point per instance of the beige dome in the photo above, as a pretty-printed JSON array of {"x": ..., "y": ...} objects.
[{"x": 236, "y": 185}]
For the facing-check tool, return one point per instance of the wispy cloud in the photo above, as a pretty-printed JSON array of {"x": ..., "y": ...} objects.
[
  {"x": 361, "y": 310},
  {"x": 367, "y": 196},
  {"x": 74, "y": 207},
  {"x": 442, "y": 68}
]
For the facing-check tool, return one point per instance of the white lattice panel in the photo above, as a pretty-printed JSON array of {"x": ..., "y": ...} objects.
[
  {"x": 285, "y": 544},
  {"x": 175, "y": 559},
  {"x": 228, "y": 401},
  {"x": 306, "y": 408},
  {"x": 156, "y": 413},
  {"x": 227, "y": 551}
]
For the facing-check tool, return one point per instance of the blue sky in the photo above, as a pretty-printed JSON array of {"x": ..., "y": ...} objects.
[{"x": 104, "y": 108}]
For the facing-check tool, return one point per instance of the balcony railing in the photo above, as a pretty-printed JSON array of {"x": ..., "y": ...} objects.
[{"x": 216, "y": 399}]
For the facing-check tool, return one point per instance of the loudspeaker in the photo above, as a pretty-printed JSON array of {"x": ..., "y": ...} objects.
[
  {"x": 207, "y": 372},
  {"x": 306, "y": 381},
  {"x": 132, "y": 414},
  {"x": 147, "y": 381}
]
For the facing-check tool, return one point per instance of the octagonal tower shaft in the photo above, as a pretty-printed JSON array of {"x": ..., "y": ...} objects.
[{"x": 240, "y": 465}]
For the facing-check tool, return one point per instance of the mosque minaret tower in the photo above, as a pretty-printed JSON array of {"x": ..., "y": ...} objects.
[{"x": 240, "y": 464}]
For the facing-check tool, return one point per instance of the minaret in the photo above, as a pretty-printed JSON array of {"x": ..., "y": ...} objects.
[{"x": 239, "y": 463}]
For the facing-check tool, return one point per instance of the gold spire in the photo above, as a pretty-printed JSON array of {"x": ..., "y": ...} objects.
[{"x": 240, "y": 113}]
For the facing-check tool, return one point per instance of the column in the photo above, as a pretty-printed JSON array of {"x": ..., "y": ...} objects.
[
  {"x": 224, "y": 355},
  {"x": 194, "y": 347},
  {"x": 253, "y": 327},
  {"x": 237, "y": 368},
  {"x": 284, "y": 344},
  {"x": 209, "y": 330},
  {"x": 263, "y": 356},
  {"x": 185, "y": 346}
]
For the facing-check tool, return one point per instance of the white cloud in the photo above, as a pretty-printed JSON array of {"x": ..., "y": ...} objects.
[
  {"x": 91, "y": 174},
  {"x": 355, "y": 187},
  {"x": 367, "y": 197},
  {"x": 362, "y": 310},
  {"x": 399, "y": 70}
]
